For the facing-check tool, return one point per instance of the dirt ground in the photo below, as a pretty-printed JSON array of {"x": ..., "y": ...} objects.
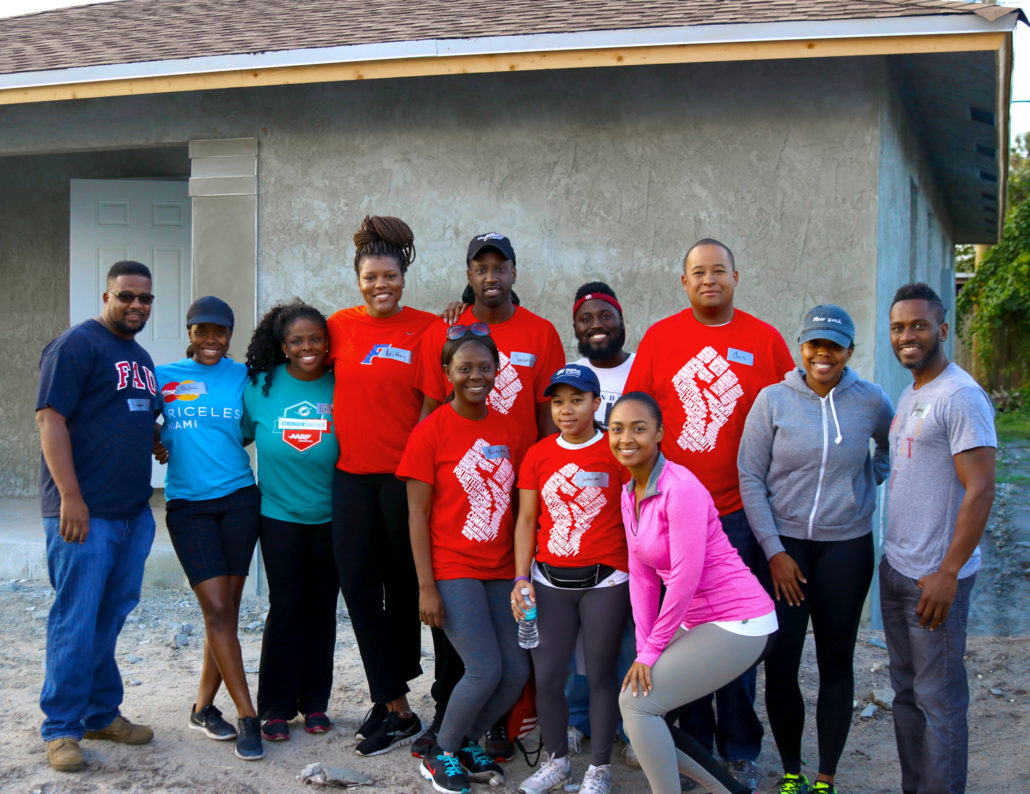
[{"x": 160, "y": 675}]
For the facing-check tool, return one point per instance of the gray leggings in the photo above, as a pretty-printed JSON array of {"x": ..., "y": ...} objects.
[
  {"x": 602, "y": 613},
  {"x": 694, "y": 663},
  {"x": 477, "y": 620}
]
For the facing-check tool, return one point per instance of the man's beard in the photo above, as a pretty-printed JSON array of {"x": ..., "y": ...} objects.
[{"x": 613, "y": 346}]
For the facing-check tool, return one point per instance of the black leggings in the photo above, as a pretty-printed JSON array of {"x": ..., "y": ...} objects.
[
  {"x": 838, "y": 574},
  {"x": 377, "y": 577}
]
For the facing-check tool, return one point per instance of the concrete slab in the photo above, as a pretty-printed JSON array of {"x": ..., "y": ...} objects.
[{"x": 23, "y": 548}]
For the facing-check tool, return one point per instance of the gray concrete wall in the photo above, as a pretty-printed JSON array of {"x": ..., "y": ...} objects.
[
  {"x": 913, "y": 227},
  {"x": 34, "y": 274},
  {"x": 606, "y": 174}
]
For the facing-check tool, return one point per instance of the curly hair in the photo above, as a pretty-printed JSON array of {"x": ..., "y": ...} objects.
[
  {"x": 923, "y": 292},
  {"x": 384, "y": 235},
  {"x": 265, "y": 351}
]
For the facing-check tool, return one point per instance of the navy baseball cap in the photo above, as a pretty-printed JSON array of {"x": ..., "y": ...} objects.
[
  {"x": 576, "y": 376},
  {"x": 490, "y": 240},
  {"x": 210, "y": 309},
  {"x": 827, "y": 321}
]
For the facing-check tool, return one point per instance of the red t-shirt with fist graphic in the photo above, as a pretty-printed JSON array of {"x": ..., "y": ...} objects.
[
  {"x": 471, "y": 466},
  {"x": 705, "y": 378},
  {"x": 531, "y": 352},
  {"x": 579, "y": 497}
]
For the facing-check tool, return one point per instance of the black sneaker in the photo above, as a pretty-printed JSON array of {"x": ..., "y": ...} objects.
[
  {"x": 423, "y": 745},
  {"x": 317, "y": 722},
  {"x": 376, "y": 716},
  {"x": 248, "y": 742},
  {"x": 478, "y": 766},
  {"x": 444, "y": 771},
  {"x": 209, "y": 720},
  {"x": 498, "y": 746},
  {"x": 275, "y": 730},
  {"x": 394, "y": 732}
]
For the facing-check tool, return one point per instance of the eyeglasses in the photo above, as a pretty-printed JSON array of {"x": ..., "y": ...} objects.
[
  {"x": 476, "y": 329},
  {"x": 127, "y": 298}
]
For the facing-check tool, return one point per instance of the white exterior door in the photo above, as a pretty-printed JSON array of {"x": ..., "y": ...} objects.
[{"x": 147, "y": 220}]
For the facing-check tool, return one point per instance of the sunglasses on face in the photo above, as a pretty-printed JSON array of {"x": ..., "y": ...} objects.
[
  {"x": 127, "y": 298},
  {"x": 476, "y": 329}
]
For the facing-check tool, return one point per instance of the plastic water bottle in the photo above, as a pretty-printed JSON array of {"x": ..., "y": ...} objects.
[{"x": 529, "y": 637}]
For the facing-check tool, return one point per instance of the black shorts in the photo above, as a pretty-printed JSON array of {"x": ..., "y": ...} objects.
[{"x": 215, "y": 537}]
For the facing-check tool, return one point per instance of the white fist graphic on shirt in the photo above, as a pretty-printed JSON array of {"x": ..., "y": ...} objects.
[
  {"x": 506, "y": 387},
  {"x": 572, "y": 509},
  {"x": 488, "y": 484},
  {"x": 708, "y": 390}
]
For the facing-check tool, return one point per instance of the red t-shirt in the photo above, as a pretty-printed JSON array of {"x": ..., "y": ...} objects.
[
  {"x": 471, "y": 466},
  {"x": 374, "y": 360},
  {"x": 580, "y": 502},
  {"x": 705, "y": 379},
  {"x": 530, "y": 353}
]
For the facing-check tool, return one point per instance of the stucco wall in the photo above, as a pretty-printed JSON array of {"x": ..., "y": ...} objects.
[
  {"x": 34, "y": 275},
  {"x": 606, "y": 174},
  {"x": 913, "y": 227}
]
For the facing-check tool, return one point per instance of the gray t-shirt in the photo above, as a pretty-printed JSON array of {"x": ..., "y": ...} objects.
[{"x": 948, "y": 415}]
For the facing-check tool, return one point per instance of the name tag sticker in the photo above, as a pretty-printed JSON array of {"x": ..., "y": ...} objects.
[
  {"x": 191, "y": 387},
  {"x": 741, "y": 356},
  {"x": 920, "y": 410},
  {"x": 140, "y": 405},
  {"x": 396, "y": 353},
  {"x": 325, "y": 408},
  {"x": 523, "y": 359},
  {"x": 591, "y": 479},
  {"x": 495, "y": 452}
]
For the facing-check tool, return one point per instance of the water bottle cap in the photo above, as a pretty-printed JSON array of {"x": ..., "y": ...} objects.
[{"x": 524, "y": 591}]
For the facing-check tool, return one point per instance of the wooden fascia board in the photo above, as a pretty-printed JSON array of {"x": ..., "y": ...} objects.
[{"x": 511, "y": 62}]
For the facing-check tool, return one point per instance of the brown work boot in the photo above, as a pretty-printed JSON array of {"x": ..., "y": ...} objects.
[
  {"x": 65, "y": 754},
  {"x": 123, "y": 731}
]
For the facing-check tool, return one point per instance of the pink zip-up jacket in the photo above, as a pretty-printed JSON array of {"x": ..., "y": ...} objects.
[{"x": 678, "y": 540}]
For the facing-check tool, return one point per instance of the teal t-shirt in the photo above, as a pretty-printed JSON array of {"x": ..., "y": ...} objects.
[
  {"x": 202, "y": 406},
  {"x": 296, "y": 447}
]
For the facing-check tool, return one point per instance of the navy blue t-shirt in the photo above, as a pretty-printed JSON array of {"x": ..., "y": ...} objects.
[{"x": 104, "y": 387}]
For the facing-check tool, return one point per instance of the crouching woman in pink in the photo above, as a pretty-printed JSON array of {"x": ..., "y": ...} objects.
[{"x": 714, "y": 621}]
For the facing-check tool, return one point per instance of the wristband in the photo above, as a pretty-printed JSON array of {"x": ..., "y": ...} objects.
[{"x": 521, "y": 579}]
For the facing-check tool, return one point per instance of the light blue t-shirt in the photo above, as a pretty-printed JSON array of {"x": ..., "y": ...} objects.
[
  {"x": 296, "y": 447},
  {"x": 202, "y": 407},
  {"x": 948, "y": 415}
]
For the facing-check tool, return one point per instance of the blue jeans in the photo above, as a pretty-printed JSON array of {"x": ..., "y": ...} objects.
[
  {"x": 733, "y": 728},
  {"x": 931, "y": 693},
  {"x": 97, "y": 584}
]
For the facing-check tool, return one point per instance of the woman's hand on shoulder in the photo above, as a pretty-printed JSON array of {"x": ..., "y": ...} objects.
[
  {"x": 638, "y": 678},
  {"x": 452, "y": 311},
  {"x": 430, "y": 606},
  {"x": 786, "y": 577},
  {"x": 521, "y": 602}
]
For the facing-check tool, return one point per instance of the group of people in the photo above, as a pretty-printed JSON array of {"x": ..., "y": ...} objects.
[{"x": 704, "y": 494}]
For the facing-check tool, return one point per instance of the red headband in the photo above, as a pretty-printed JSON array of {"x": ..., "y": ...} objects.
[{"x": 600, "y": 296}]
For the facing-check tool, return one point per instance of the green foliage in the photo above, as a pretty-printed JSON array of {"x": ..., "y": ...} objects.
[{"x": 994, "y": 306}]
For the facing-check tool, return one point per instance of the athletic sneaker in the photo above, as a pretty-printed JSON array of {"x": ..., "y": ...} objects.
[
  {"x": 823, "y": 787},
  {"x": 317, "y": 722},
  {"x": 376, "y": 716},
  {"x": 444, "y": 770},
  {"x": 275, "y": 730},
  {"x": 793, "y": 784},
  {"x": 553, "y": 774},
  {"x": 248, "y": 739},
  {"x": 478, "y": 766},
  {"x": 395, "y": 731},
  {"x": 745, "y": 772},
  {"x": 597, "y": 780},
  {"x": 498, "y": 746},
  {"x": 423, "y": 745},
  {"x": 209, "y": 720}
]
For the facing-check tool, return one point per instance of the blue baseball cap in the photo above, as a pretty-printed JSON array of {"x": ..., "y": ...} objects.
[
  {"x": 828, "y": 321},
  {"x": 210, "y": 309},
  {"x": 576, "y": 376}
]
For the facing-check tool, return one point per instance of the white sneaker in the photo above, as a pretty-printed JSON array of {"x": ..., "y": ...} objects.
[
  {"x": 597, "y": 780},
  {"x": 575, "y": 737},
  {"x": 553, "y": 774}
]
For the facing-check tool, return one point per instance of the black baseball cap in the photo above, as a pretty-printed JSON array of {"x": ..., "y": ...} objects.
[
  {"x": 490, "y": 240},
  {"x": 210, "y": 309}
]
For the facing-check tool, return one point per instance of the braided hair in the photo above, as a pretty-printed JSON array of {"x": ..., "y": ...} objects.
[
  {"x": 265, "y": 351},
  {"x": 384, "y": 235}
]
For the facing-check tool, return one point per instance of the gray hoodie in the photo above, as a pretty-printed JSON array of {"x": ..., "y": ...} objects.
[{"x": 804, "y": 463}]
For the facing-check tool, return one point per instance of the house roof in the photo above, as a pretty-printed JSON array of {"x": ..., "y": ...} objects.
[{"x": 132, "y": 31}]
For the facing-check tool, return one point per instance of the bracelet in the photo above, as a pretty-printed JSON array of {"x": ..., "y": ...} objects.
[{"x": 521, "y": 579}]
